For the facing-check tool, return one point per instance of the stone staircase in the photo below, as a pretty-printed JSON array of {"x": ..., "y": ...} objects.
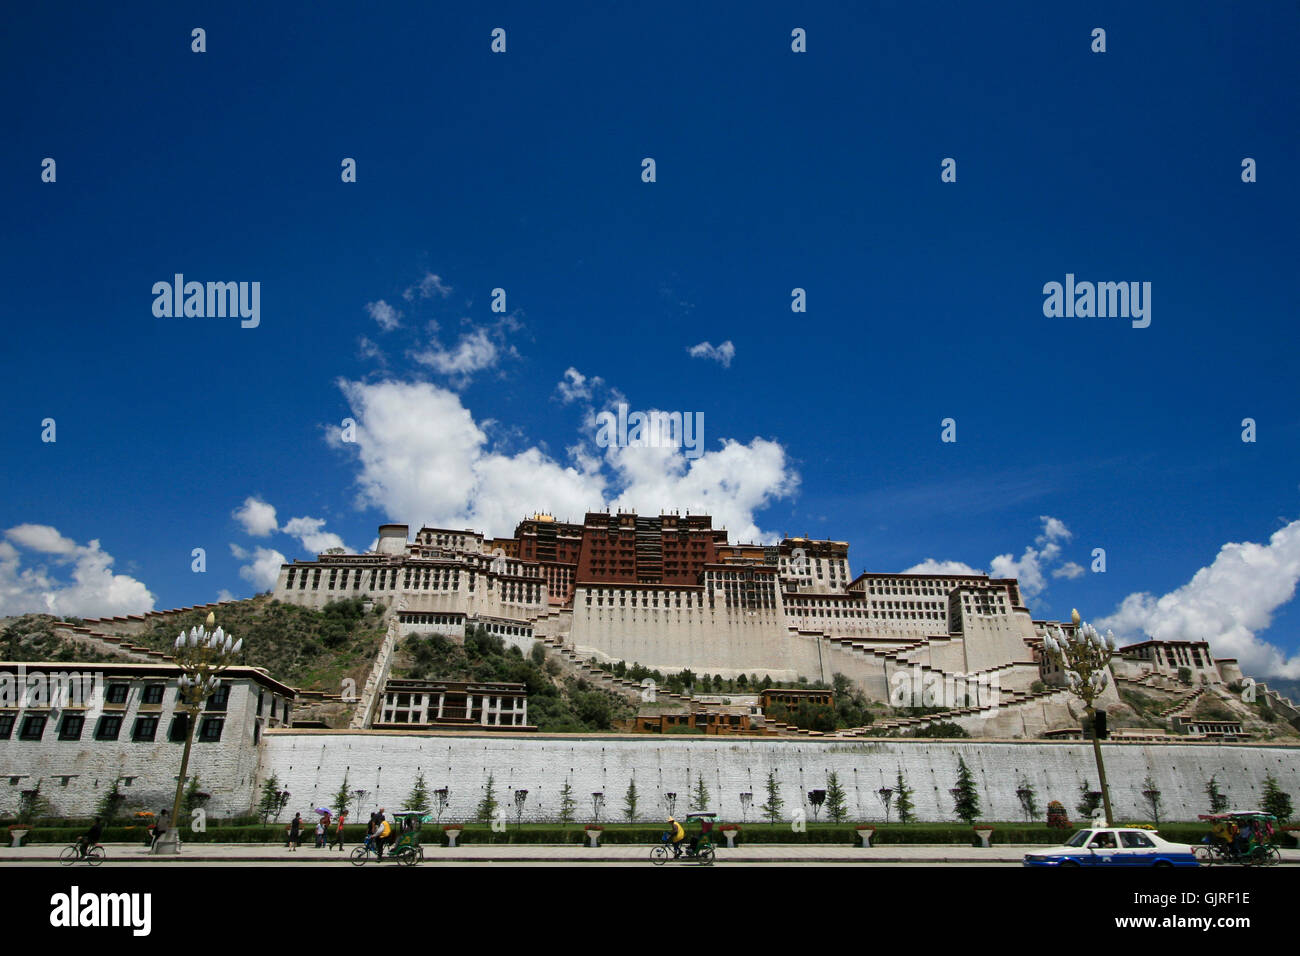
[
  {"x": 1007, "y": 700},
  {"x": 125, "y": 624},
  {"x": 1179, "y": 707},
  {"x": 103, "y": 642}
]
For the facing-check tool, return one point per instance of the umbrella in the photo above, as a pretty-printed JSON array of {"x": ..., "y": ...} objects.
[{"x": 322, "y": 810}]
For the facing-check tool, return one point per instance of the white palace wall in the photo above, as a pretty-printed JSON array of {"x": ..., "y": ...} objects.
[{"x": 311, "y": 764}]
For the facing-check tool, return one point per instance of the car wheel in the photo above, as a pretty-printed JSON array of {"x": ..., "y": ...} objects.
[
  {"x": 1162, "y": 863},
  {"x": 1065, "y": 863}
]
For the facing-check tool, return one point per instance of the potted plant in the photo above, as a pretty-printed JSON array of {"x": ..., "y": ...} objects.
[
  {"x": 730, "y": 831},
  {"x": 18, "y": 833},
  {"x": 453, "y": 831},
  {"x": 865, "y": 833},
  {"x": 594, "y": 831},
  {"x": 983, "y": 831}
]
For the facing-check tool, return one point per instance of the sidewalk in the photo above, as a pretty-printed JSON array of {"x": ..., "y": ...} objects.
[{"x": 568, "y": 853}]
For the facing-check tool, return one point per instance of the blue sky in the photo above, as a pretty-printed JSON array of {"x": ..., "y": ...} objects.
[{"x": 774, "y": 170}]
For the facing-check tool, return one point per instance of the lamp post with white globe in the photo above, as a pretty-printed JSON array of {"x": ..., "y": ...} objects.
[
  {"x": 1085, "y": 656},
  {"x": 202, "y": 655}
]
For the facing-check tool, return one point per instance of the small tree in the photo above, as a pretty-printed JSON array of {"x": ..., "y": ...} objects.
[
  {"x": 32, "y": 805},
  {"x": 629, "y": 801},
  {"x": 419, "y": 798},
  {"x": 1028, "y": 798},
  {"x": 110, "y": 802},
  {"x": 1218, "y": 799},
  {"x": 1276, "y": 800},
  {"x": 268, "y": 808},
  {"x": 1089, "y": 800},
  {"x": 772, "y": 807},
  {"x": 966, "y": 799},
  {"x": 903, "y": 800},
  {"x": 1152, "y": 796},
  {"x": 343, "y": 799},
  {"x": 194, "y": 797},
  {"x": 700, "y": 795},
  {"x": 836, "y": 807},
  {"x": 568, "y": 806},
  {"x": 487, "y": 807},
  {"x": 1057, "y": 819}
]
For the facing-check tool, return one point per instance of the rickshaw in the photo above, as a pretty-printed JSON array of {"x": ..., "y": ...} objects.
[
  {"x": 1244, "y": 837},
  {"x": 407, "y": 849},
  {"x": 699, "y": 849}
]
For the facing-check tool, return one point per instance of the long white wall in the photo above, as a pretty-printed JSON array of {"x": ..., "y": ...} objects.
[{"x": 312, "y": 764}]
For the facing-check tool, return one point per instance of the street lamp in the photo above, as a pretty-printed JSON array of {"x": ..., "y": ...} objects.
[
  {"x": 201, "y": 655},
  {"x": 1085, "y": 657}
]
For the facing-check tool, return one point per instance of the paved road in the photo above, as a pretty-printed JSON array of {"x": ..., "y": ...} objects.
[{"x": 523, "y": 854}]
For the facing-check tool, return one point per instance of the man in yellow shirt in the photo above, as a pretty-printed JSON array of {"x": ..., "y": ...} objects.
[{"x": 676, "y": 835}]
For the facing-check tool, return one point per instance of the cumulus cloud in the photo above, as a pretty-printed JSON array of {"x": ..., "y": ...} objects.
[
  {"x": 308, "y": 532},
  {"x": 427, "y": 288},
  {"x": 388, "y": 317},
  {"x": 264, "y": 569},
  {"x": 423, "y": 457},
  {"x": 931, "y": 566},
  {"x": 45, "y": 572},
  {"x": 1069, "y": 570},
  {"x": 575, "y": 386},
  {"x": 474, "y": 352},
  {"x": 256, "y": 516},
  {"x": 1227, "y": 603},
  {"x": 722, "y": 354},
  {"x": 1030, "y": 569}
]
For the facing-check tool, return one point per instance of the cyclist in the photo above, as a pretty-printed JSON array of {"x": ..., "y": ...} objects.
[
  {"x": 89, "y": 838},
  {"x": 675, "y": 835}
]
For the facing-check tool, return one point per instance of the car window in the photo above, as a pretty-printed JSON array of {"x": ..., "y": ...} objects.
[
  {"x": 1103, "y": 840},
  {"x": 1136, "y": 841},
  {"x": 1079, "y": 839}
]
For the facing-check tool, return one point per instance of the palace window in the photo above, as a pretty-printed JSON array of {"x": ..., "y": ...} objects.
[
  {"x": 145, "y": 730},
  {"x": 108, "y": 727},
  {"x": 33, "y": 727}
]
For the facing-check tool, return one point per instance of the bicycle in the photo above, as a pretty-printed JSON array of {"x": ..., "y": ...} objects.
[{"x": 94, "y": 855}]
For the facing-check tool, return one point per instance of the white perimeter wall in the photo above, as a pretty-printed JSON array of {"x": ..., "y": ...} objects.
[{"x": 312, "y": 764}]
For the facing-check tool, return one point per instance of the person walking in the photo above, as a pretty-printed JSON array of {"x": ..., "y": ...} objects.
[
  {"x": 338, "y": 832},
  {"x": 320, "y": 834},
  {"x": 295, "y": 831},
  {"x": 160, "y": 828}
]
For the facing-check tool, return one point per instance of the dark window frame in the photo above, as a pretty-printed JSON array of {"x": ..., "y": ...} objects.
[
  {"x": 40, "y": 720},
  {"x": 179, "y": 728},
  {"x": 7, "y": 722},
  {"x": 65, "y": 733},
  {"x": 210, "y": 730},
  {"x": 101, "y": 727},
  {"x": 111, "y": 696},
  {"x": 152, "y": 690},
  {"x": 150, "y": 720}
]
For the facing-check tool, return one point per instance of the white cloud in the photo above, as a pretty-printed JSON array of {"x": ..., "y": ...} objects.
[
  {"x": 475, "y": 351},
  {"x": 85, "y": 586},
  {"x": 309, "y": 534},
  {"x": 388, "y": 317},
  {"x": 1069, "y": 570},
  {"x": 225, "y": 595},
  {"x": 264, "y": 569},
  {"x": 1226, "y": 603},
  {"x": 723, "y": 354},
  {"x": 931, "y": 566},
  {"x": 1029, "y": 569},
  {"x": 575, "y": 386},
  {"x": 423, "y": 458},
  {"x": 256, "y": 516},
  {"x": 427, "y": 288}
]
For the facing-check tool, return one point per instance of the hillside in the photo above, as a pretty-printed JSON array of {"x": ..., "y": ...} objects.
[
  {"x": 556, "y": 703},
  {"x": 303, "y": 647},
  {"x": 31, "y": 637}
]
